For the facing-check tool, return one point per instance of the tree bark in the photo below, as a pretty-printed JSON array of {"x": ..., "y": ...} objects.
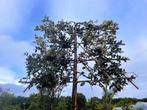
[{"x": 74, "y": 88}]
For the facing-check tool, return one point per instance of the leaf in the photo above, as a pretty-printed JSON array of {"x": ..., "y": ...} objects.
[
  {"x": 82, "y": 73},
  {"x": 83, "y": 67},
  {"x": 82, "y": 84}
]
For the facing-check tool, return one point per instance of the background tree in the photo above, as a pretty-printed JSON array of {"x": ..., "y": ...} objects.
[
  {"x": 6, "y": 98},
  {"x": 107, "y": 99},
  {"x": 93, "y": 103},
  {"x": 10, "y": 102},
  {"x": 34, "y": 101},
  {"x": 81, "y": 101},
  {"x": 64, "y": 48},
  {"x": 64, "y": 103}
]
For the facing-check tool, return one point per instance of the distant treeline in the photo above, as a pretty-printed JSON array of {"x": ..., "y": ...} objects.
[{"x": 37, "y": 102}]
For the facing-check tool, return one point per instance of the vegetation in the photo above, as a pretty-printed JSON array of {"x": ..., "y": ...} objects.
[
  {"x": 35, "y": 102},
  {"x": 62, "y": 46}
]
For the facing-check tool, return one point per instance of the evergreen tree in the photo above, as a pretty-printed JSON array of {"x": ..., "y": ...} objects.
[{"x": 68, "y": 51}]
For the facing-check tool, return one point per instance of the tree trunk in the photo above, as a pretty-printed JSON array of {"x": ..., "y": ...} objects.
[{"x": 74, "y": 88}]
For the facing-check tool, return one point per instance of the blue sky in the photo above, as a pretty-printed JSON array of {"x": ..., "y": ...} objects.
[{"x": 18, "y": 19}]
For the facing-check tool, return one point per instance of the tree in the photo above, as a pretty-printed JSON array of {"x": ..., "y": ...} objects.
[
  {"x": 34, "y": 101},
  {"x": 81, "y": 101},
  {"x": 107, "y": 99},
  {"x": 61, "y": 47},
  {"x": 125, "y": 103},
  {"x": 93, "y": 103},
  {"x": 7, "y": 100},
  {"x": 64, "y": 103}
]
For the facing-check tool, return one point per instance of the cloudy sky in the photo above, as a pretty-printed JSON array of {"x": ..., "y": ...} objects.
[{"x": 18, "y": 19}]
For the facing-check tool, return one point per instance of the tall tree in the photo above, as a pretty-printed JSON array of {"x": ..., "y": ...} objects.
[{"x": 67, "y": 51}]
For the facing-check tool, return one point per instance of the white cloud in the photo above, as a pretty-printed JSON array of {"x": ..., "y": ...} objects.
[
  {"x": 12, "y": 51},
  {"x": 12, "y": 59},
  {"x": 7, "y": 76},
  {"x": 13, "y": 15}
]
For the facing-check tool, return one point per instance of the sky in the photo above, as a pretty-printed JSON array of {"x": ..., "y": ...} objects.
[{"x": 18, "y": 19}]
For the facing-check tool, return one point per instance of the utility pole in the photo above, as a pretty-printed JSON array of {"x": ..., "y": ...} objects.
[{"x": 74, "y": 89}]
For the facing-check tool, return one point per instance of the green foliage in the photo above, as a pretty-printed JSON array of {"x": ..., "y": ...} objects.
[
  {"x": 10, "y": 102},
  {"x": 41, "y": 102},
  {"x": 37, "y": 102},
  {"x": 107, "y": 99},
  {"x": 117, "y": 101},
  {"x": 81, "y": 100},
  {"x": 64, "y": 103},
  {"x": 5, "y": 98},
  {"x": 11, "y": 107},
  {"x": 49, "y": 68},
  {"x": 144, "y": 100},
  {"x": 125, "y": 102},
  {"x": 34, "y": 101},
  {"x": 93, "y": 103}
]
